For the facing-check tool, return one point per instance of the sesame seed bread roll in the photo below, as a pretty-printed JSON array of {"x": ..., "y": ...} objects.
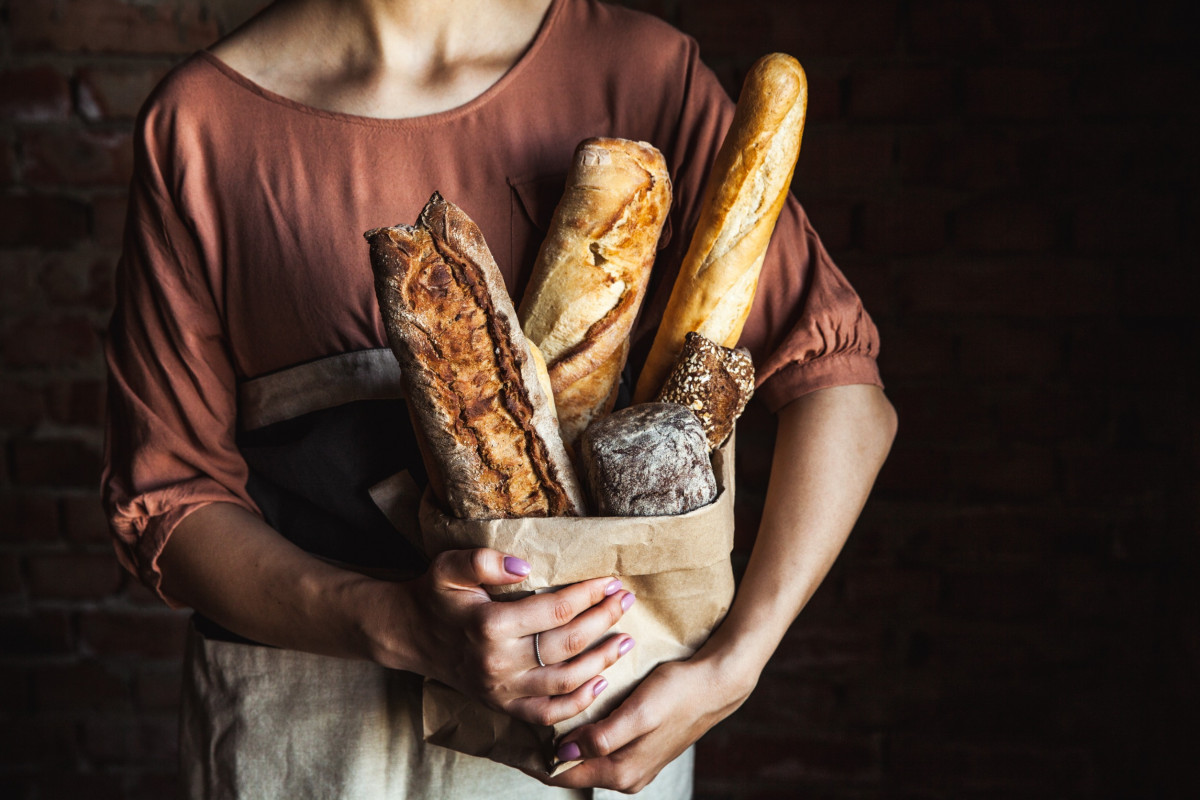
[
  {"x": 591, "y": 273},
  {"x": 746, "y": 191}
]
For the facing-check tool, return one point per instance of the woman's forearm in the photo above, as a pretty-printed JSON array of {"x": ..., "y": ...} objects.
[
  {"x": 828, "y": 451},
  {"x": 235, "y": 569}
]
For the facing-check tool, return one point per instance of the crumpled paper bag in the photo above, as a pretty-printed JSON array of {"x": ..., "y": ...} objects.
[{"x": 678, "y": 567}]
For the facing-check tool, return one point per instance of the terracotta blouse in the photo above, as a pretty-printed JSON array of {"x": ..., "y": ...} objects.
[{"x": 244, "y": 251}]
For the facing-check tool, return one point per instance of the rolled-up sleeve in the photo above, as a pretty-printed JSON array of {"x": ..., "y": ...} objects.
[
  {"x": 807, "y": 329},
  {"x": 170, "y": 433}
]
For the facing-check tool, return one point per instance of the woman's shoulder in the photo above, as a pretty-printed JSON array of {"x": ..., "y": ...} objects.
[{"x": 623, "y": 32}]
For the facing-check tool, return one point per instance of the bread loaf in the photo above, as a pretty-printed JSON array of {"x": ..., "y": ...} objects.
[
  {"x": 647, "y": 460},
  {"x": 489, "y": 436},
  {"x": 714, "y": 382},
  {"x": 746, "y": 190},
  {"x": 591, "y": 273}
]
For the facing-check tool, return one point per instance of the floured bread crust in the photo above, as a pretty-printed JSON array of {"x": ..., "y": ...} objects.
[
  {"x": 470, "y": 379},
  {"x": 591, "y": 273}
]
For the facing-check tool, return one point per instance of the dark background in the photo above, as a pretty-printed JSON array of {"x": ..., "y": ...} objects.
[{"x": 1010, "y": 184}]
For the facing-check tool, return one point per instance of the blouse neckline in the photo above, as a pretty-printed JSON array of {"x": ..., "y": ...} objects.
[{"x": 425, "y": 120}]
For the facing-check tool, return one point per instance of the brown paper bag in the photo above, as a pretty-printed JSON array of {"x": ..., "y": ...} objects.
[{"x": 678, "y": 567}]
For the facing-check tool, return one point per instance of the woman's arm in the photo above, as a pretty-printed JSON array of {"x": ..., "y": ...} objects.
[
  {"x": 231, "y": 566},
  {"x": 830, "y": 446}
]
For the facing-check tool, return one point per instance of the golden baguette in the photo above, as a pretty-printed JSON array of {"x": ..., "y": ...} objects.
[
  {"x": 746, "y": 191},
  {"x": 591, "y": 273}
]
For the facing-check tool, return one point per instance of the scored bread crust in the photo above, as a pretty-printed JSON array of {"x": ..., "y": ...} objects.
[
  {"x": 590, "y": 276},
  {"x": 489, "y": 435},
  {"x": 745, "y": 193}
]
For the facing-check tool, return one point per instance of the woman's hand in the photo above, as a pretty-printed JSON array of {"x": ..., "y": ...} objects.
[
  {"x": 672, "y": 708},
  {"x": 449, "y": 629}
]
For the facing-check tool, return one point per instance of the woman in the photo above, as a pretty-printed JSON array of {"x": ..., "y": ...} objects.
[{"x": 252, "y": 401}]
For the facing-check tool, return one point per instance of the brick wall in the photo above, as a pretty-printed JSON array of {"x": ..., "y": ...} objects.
[{"x": 1011, "y": 185}]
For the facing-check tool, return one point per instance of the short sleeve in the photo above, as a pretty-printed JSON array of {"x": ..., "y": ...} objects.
[
  {"x": 170, "y": 432},
  {"x": 807, "y": 329}
]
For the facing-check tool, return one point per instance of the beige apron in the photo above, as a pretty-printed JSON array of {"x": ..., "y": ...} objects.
[{"x": 260, "y": 723}]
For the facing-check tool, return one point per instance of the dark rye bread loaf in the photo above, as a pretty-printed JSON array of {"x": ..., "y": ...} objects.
[
  {"x": 648, "y": 460},
  {"x": 489, "y": 435},
  {"x": 713, "y": 381}
]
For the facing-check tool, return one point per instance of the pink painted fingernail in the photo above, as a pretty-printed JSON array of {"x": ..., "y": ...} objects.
[
  {"x": 626, "y": 646},
  {"x": 612, "y": 588},
  {"x": 515, "y": 566},
  {"x": 569, "y": 752},
  {"x": 599, "y": 687},
  {"x": 627, "y": 601}
]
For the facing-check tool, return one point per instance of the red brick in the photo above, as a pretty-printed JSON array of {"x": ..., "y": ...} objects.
[
  {"x": 21, "y": 405},
  {"x": 108, "y": 219},
  {"x": 76, "y": 278},
  {"x": 1135, "y": 90},
  {"x": 1034, "y": 25},
  {"x": 55, "y": 462},
  {"x": 806, "y": 646},
  {"x": 1156, "y": 288},
  {"x": 977, "y": 160},
  {"x": 45, "y": 342},
  {"x": 788, "y": 757},
  {"x": 109, "y": 92},
  {"x": 914, "y": 350},
  {"x": 133, "y": 633},
  {"x": 1009, "y": 473},
  {"x": 1052, "y": 413},
  {"x": 954, "y": 415},
  {"x": 144, "y": 740},
  {"x": 80, "y": 687},
  {"x": 38, "y": 745},
  {"x": 891, "y": 591},
  {"x": 1042, "y": 286},
  {"x": 1007, "y": 226},
  {"x": 839, "y": 159},
  {"x": 158, "y": 688},
  {"x": 995, "y": 594},
  {"x": 78, "y": 157},
  {"x": 72, "y": 786},
  {"x": 28, "y": 517},
  {"x": 833, "y": 219},
  {"x": 783, "y": 699},
  {"x": 11, "y": 584},
  {"x": 39, "y": 633},
  {"x": 916, "y": 472},
  {"x": 34, "y": 94},
  {"x": 809, "y": 30},
  {"x": 954, "y": 26},
  {"x": 84, "y": 520},
  {"x": 831, "y": 28},
  {"x": 995, "y": 350},
  {"x": 1130, "y": 354},
  {"x": 1134, "y": 225},
  {"x": 73, "y": 576},
  {"x": 158, "y": 785},
  {"x": 76, "y": 402},
  {"x": 914, "y": 225},
  {"x": 1019, "y": 93},
  {"x": 901, "y": 94},
  {"x": 824, "y": 97},
  {"x": 8, "y": 162},
  {"x": 42, "y": 220},
  {"x": 175, "y": 27}
]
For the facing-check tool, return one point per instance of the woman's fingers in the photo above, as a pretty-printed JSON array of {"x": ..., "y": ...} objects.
[
  {"x": 550, "y": 710},
  {"x": 561, "y": 679},
  {"x": 465, "y": 569},
  {"x": 549, "y": 610},
  {"x": 567, "y": 641}
]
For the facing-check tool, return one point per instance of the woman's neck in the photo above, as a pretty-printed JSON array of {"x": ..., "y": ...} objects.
[{"x": 383, "y": 58}]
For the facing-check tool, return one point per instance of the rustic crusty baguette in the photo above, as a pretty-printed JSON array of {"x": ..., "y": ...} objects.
[
  {"x": 746, "y": 190},
  {"x": 490, "y": 437},
  {"x": 591, "y": 272}
]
